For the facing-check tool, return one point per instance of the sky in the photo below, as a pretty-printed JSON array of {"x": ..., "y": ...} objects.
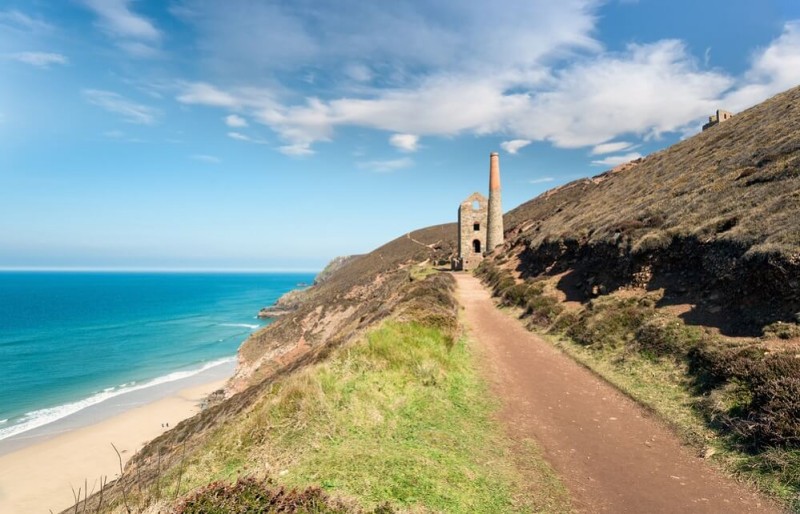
[{"x": 245, "y": 134}]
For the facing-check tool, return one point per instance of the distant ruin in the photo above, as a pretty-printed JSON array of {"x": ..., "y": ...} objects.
[
  {"x": 716, "y": 119},
  {"x": 480, "y": 222}
]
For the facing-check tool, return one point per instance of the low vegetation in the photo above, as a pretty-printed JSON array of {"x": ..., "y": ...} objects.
[
  {"x": 736, "y": 399},
  {"x": 397, "y": 420}
]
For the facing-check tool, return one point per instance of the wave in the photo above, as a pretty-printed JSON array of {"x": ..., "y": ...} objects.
[
  {"x": 41, "y": 417},
  {"x": 243, "y": 325}
]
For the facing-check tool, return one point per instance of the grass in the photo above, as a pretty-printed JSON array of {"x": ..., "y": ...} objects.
[{"x": 400, "y": 416}]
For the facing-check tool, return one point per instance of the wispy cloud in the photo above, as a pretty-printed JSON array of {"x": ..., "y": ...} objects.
[
  {"x": 541, "y": 180},
  {"x": 515, "y": 145},
  {"x": 130, "y": 111},
  {"x": 235, "y": 121},
  {"x": 605, "y": 148},
  {"x": 616, "y": 160},
  {"x": 205, "y": 94},
  {"x": 135, "y": 34},
  {"x": 244, "y": 137},
  {"x": 462, "y": 84},
  {"x": 19, "y": 20},
  {"x": 772, "y": 70},
  {"x": 210, "y": 159},
  {"x": 40, "y": 59},
  {"x": 296, "y": 150},
  {"x": 405, "y": 142},
  {"x": 387, "y": 166}
]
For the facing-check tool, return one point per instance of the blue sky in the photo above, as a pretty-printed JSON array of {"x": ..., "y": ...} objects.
[{"x": 276, "y": 135}]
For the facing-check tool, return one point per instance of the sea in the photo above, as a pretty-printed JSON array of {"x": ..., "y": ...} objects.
[{"x": 72, "y": 342}]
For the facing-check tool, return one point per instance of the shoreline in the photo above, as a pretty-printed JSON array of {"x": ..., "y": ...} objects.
[{"x": 39, "y": 468}]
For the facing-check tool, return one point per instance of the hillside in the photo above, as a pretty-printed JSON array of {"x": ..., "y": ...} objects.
[
  {"x": 715, "y": 220},
  {"x": 677, "y": 278}
]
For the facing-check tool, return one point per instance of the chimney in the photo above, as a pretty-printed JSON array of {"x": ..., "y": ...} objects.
[{"x": 494, "y": 235}]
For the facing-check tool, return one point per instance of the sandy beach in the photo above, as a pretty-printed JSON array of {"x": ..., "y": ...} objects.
[{"x": 40, "y": 477}]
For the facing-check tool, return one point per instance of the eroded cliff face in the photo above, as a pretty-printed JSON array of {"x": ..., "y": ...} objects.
[
  {"x": 360, "y": 291},
  {"x": 713, "y": 221}
]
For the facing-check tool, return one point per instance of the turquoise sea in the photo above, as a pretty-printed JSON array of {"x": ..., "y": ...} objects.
[{"x": 72, "y": 340}]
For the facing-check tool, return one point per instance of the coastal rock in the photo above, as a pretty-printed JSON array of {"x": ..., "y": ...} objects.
[{"x": 273, "y": 312}]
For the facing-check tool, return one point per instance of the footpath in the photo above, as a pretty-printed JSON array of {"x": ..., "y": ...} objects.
[{"x": 612, "y": 455}]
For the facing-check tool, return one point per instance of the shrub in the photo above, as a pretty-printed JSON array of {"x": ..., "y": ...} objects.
[
  {"x": 610, "y": 322},
  {"x": 782, "y": 330},
  {"x": 659, "y": 337},
  {"x": 250, "y": 495}
]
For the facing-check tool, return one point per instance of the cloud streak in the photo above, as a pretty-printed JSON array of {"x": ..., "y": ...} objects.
[
  {"x": 40, "y": 59},
  {"x": 387, "y": 166},
  {"x": 135, "y": 34},
  {"x": 616, "y": 160},
  {"x": 115, "y": 103}
]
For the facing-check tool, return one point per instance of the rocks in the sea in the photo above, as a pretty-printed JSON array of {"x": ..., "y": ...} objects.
[{"x": 273, "y": 312}]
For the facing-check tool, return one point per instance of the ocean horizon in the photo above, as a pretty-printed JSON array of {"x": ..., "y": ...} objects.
[{"x": 73, "y": 340}]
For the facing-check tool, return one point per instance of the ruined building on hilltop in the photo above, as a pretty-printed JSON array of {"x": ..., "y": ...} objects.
[
  {"x": 716, "y": 119},
  {"x": 480, "y": 222}
]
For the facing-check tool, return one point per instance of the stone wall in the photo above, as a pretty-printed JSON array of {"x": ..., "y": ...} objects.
[{"x": 472, "y": 219}]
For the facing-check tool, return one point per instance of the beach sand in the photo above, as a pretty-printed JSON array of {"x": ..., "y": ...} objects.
[{"x": 41, "y": 476}]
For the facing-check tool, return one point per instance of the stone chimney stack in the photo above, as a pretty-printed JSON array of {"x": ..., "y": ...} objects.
[{"x": 494, "y": 236}]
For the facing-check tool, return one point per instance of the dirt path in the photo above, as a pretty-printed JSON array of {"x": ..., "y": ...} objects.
[{"x": 612, "y": 455}]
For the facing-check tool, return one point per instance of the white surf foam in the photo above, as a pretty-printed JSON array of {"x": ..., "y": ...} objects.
[
  {"x": 242, "y": 325},
  {"x": 41, "y": 417}
]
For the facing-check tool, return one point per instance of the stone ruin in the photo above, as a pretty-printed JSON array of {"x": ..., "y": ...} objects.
[{"x": 480, "y": 222}]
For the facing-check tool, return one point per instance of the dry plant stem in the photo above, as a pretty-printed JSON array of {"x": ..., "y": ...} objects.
[
  {"x": 180, "y": 472},
  {"x": 121, "y": 483},
  {"x": 76, "y": 498},
  {"x": 158, "y": 476},
  {"x": 103, "y": 482}
]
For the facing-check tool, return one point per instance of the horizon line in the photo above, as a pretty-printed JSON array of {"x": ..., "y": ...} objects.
[{"x": 112, "y": 269}]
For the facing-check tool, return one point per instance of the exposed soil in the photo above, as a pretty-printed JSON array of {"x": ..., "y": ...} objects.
[{"x": 612, "y": 455}]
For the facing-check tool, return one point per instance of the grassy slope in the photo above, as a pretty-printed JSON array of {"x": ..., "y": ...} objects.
[
  {"x": 397, "y": 414},
  {"x": 398, "y": 417}
]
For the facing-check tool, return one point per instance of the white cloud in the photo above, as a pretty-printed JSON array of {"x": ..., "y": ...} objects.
[
  {"x": 40, "y": 59},
  {"x": 246, "y": 38},
  {"x": 616, "y": 160},
  {"x": 117, "y": 18},
  {"x": 774, "y": 69},
  {"x": 134, "y": 33},
  {"x": 541, "y": 180},
  {"x": 206, "y": 94},
  {"x": 235, "y": 121},
  {"x": 645, "y": 90},
  {"x": 238, "y": 136},
  {"x": 612, "y": 147},
  {"x": 114, "y": 134},
  {"x": 296, "y": 150},
  {"x": 210, "y": 159},
  {"x": 541, "y": 78},
  {"x": 515, "y": 145},
  {"x": 19, "y": 20},
  {"x": 130, "y": 111},
  {"x": 405, "y": 142},
  {"x": 244, "y": 137},
  {"x": 388, "y": 165}
]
